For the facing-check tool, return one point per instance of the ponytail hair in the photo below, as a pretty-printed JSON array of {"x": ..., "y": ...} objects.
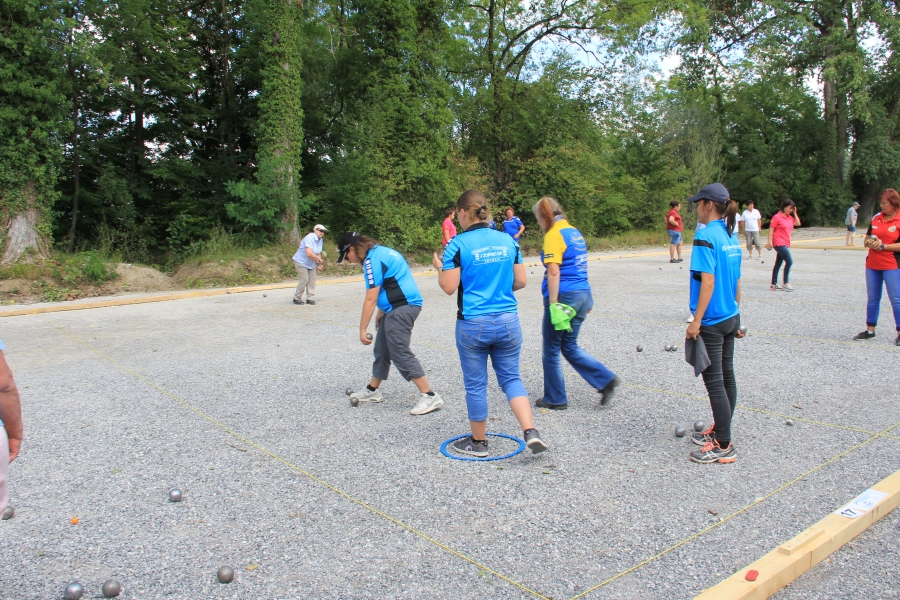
[
  {"x": 546, "y": 210},
  {"x": 475, "y": 205},
  {"x": 727, "y": 211}
]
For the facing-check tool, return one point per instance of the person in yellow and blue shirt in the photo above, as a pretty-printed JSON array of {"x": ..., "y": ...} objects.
[{"x": 566, "y": 283}]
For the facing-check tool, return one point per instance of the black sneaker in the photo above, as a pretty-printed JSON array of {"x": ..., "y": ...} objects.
[
  {"x": 469, "y": 446},
  {"x": 866, "y": 335},
  {"x": 607, "y": 393},
  {"x": 712, "y": 452},
  {"x": 534, "y": 442},
  {"x": 313, "y": 302},
  {"x": 672, "y": 260},
  {"x": 679, "y": 260},
  {"x": 541, "y": 404},
  {"x": 298, "y": 301}
]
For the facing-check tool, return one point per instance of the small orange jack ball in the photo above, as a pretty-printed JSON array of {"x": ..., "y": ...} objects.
[{"x": 74, "y": 520}]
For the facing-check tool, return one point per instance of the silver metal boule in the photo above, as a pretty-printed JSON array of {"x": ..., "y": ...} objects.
[
  {"x": 668, "y": 347},
  {"x": 699, "y": 426},
  {"x": 743, "y": 329},
  {"x": 368, "y": 336},
  {"x": 349, "y": 391},
  {"x": 789, "y": 422},
  {"x": 74, "y": 591},
  {"x": 111, "y": 589},
  {"x": 354, "y": 402},
  {"x": 680, "y": 431},
  {"x": 225, "y": 574},
  {"x": 640, "y": 348},
  {"x": 175, "y": 495},
  {"x": 265, "y": 295},
  {"x": 8, "y": 513}
]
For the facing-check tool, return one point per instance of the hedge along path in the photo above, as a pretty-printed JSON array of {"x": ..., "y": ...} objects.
[
  {"x": 300, "y": 470},
  {"x": 37, "y": 310}
]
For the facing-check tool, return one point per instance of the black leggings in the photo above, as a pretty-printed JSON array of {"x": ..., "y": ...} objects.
[
  {"x": 784, "y": 256},
  {"x": 719, "y": 375}
]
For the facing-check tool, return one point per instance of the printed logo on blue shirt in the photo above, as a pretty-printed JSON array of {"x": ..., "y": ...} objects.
[{"x": 490, "y": 254}]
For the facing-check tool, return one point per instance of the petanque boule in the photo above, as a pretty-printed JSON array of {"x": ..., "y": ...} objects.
[
  {"x": 8, "y": 513},
  {"x": 349, "y": 391},
  {"x": 74, "y": 591},
  {"x": 699, "y": 426},
  {"x": 789, "y": 423},
  {"x": 111, "y": 588},
  {"x": 743, "y": 329},
  {"x": 225, "y": 574},
  {"x": 640, "y": 348},
  {"x": 369, "y": 336},
  {"x": 354, "y": 402},
  {"x": 265, "y": 295},
  {"x": 680, "y": 431},
  {"x": 668, "y": 347},
  {"x": 175, "y": 495}
]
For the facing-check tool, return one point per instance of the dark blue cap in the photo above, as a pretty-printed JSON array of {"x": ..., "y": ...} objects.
[{"x": 714, "y": 191}]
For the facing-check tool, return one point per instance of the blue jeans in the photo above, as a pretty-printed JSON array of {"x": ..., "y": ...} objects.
[
  {"x": 674, "y": 238},
  {"x": 500, "y": 337},
  {"x": 784, "y": 256},
  {"x": 591, "y": 369},
  {"x": 874, "y": 281}
]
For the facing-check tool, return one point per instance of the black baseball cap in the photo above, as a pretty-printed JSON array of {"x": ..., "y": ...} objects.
[
  {"x": 715, "y": 192},
  {"x": 344, "y": 242}
]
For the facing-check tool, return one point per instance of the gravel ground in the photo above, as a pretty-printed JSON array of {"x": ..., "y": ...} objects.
[{"x": 105, "y": 446}]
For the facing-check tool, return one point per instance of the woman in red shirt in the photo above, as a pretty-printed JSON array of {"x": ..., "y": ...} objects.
[
  {"x": 448, "y": 229},
  {"x": 780, "y": 229},
  {"x": 883, "y": 262}
]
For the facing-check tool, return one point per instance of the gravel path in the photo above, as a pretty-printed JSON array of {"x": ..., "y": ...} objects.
[{"x": 105, "y": 446}]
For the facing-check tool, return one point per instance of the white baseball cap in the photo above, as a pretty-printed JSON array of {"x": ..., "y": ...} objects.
[{"x": 320, "y": 226}]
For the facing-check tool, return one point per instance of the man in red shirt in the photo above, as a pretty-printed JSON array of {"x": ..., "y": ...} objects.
[
  {"x": 883, "y": 262},
  {"x": 674, "y": 228}
]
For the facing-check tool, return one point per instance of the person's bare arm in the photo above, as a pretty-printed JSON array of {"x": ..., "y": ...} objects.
[
  {"x": 448, "y": 280},
  {"x": 553, "y": 282},
  {"x": 10, "y": 409},
  {"x": 519, "y": 235},
  {"x": 313, "y": 256},
  {"x": 796, "y": 217},
  {"x": 520, "y": 279},
  {"x": 707, "y": 284},
  {"x": 368, "y": 308}
]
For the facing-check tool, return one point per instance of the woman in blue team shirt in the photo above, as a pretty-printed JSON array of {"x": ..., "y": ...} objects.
[
  {"x": 484, "y": 267},
  {"x": 512, "y": 224},
  {"x": 715, "y": 303},
  {"x": 565, "y": 281}
]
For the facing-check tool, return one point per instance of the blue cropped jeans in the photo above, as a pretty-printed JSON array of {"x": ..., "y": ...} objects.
[
  {"x": 500, "y": 337},
  {"x": 875, "y": 280},
  {"x": 591, "y": 369}
]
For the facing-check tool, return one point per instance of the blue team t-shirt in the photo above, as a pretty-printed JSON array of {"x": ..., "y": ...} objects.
[
  {"x": 387, "y": 268},
  {"x": 565, "y": 246},
  {"x": 716, "y": 252},
  {"x": 512, "y": 226},
  {"x": 485, "y": 258}
]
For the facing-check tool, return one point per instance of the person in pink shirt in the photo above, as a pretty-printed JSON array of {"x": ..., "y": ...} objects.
[
  {"x": 448, "y": 229},
  {"x": 780, "y": 230}
]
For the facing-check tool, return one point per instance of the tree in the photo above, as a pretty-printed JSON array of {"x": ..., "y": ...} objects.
[{"x": 33, "y": 121}]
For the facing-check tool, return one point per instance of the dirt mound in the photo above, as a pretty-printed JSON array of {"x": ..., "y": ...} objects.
[
  {"x": 135, "y": 278},
  {"x": 221, "y": 273}
]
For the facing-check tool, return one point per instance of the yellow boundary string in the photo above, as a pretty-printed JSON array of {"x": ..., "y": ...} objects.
[
  {"x": 734, "y": 514},
  {"x": 305, "y": 473}
]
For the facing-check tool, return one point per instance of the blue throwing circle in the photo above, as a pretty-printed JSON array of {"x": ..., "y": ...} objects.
[{"x": 486, "y": 458}]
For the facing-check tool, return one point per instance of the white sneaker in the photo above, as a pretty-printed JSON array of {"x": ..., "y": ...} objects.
[
  {"x": 690, "y": 319},
  {"x": 364, "y": 395},
  {"x": 787, "y": 287},
  {"x": 427, "y": 404}
]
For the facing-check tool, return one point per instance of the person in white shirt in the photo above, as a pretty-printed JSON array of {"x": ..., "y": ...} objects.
[
  {"x": 306, "y": 260},
  {"x": 751, "y": 220},
  {"x": 850, "y": 222}
]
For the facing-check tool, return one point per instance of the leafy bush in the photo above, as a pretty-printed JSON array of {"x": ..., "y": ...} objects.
[{"x": 83, "y": 267}]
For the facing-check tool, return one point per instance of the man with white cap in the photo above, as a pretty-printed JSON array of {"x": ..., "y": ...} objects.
[
  {"x": 850, "y": 222},
  {"x": 306, "y": 261}
]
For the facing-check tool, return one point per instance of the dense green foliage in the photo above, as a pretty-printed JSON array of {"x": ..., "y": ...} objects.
[{"x": 146, "y": 128}]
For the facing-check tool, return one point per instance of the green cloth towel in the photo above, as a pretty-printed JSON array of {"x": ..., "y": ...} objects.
[{"x": 561, "y": 316}]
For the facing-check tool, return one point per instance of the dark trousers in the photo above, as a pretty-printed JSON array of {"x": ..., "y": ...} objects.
[
  {"x": 719, "y": 375},
  {"x": 392, "y": 344},
  {"x": 784, "y": 256}
]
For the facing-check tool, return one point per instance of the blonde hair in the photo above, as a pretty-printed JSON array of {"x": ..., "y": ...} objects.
[{"x": 547, "y": 209}]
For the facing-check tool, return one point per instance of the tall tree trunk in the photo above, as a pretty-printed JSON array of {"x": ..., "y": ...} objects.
[
  {"x": 76, "y": 161},
  {"x": 22, "y": 232}
]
